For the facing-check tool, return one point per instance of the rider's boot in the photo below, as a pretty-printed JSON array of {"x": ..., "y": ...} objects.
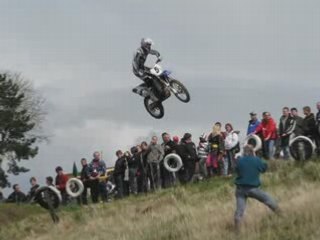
[{"x": 140, "y": 90}]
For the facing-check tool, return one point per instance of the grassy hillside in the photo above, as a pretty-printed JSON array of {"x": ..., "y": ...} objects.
[{"x": 197, "y": 211}]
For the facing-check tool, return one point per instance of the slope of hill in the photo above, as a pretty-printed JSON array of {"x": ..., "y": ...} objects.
[{"x": 196, "y": 211}]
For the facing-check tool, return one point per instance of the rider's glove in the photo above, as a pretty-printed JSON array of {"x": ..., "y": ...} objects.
[{"x": 141, "y": 72}]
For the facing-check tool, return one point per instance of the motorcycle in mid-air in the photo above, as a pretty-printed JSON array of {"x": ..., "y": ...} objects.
[{"x": 152, "y": 100}]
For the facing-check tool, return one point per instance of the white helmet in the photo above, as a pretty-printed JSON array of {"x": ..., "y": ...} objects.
[{"x": 146, "y": 43}]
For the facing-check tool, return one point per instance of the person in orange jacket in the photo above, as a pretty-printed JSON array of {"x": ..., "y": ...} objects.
[{"x": 268, "y": 130}]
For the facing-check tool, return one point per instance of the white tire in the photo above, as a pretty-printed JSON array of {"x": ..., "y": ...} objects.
[
  {"x": 308, "y": 150},
  {"x": 177, "y": 162},
  {"x": 256, "y": 139},
  {"x": 78, "y": 183}
]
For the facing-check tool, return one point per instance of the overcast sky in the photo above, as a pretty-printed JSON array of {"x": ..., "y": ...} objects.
[{"x": 233, "y": 56}]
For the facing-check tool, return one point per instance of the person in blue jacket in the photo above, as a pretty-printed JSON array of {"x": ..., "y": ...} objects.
[
  {"x": 253, "y": 123},
  {"x": 248, "y": 170}
]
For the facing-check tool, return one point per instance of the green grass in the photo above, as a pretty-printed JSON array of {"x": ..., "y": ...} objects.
[
  {"x": 14, "y": 213},
  {"x": 196, "y": 211}
]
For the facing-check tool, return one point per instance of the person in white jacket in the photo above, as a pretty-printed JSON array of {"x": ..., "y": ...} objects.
[{"x": 231, "y": 144}]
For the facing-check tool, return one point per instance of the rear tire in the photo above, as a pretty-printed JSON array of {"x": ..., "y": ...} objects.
[
  {"x": 156, "y": 111},
  {"x": 182, "y": 92}
]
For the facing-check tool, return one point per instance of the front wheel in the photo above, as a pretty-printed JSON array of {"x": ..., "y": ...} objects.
[
  {"x": 180, "y": 91},
  {"x": 155, "y": 109}
]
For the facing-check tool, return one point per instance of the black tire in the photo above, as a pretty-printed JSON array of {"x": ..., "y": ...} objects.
[
  {"x": 301, "y": 148},
  {"x": 157, "y": 111},
  {"x": 45, "y": 194},
  {"x": 182, "y": 92}
]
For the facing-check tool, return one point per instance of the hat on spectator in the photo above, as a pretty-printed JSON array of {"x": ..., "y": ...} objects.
[
  {"x": 58, "y": 169},
  {"x": 175, "y": 139}
]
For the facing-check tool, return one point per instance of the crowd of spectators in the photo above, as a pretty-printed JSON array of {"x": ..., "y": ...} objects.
[{"x": 141, "y": 169}]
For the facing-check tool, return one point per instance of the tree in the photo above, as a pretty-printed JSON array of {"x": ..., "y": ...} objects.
[
  {"x": 74, "y": 170},
  {"x": 21, "y": 116}
]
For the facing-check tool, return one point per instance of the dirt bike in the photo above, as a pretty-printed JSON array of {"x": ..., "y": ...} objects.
[{"x": 152, "y": 100}]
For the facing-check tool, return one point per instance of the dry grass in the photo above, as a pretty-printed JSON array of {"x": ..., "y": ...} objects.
[{"x": 199, "y": 211}]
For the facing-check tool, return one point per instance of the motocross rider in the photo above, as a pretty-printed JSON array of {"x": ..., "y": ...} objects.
[{"x": 142, "y": 71}]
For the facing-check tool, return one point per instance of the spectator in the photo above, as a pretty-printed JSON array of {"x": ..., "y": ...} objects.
[
  {"x": 33, "y": 189},
  {"x": 216, "y": 151},
  {"x": 119, "y": 171},
  {"x": 203, "y": 155},
  {"x": 49, "y": 181},
  {"x": 85, "y": 178},
  {"x": 61, "y": 182},
  {"x": 188, "y": 153},
  {"x": 298, "y": 131},
  {"x": 144, "y": 154},
  {"x": 318, "y": 129},
  {"x": 248, "y": 171},
  {"x": 126, "y": 185},
  {"x": 253, "y": 123},
  {"x": 154, "y": 158},
  {"x": 16, "y": 196},
  {"x": 133, "y": 166},
  {"x": 97, "y": 170},
  {"x": 286, "y": 127},
  {"x": 1, "y": 197},
  {"x": 142, "y": 178},
  {"x": 168, "y": 146},
  {"x": 231, "y": 144},
  {"x": 268, "y": 130},
  {"x": 309, "y": 124}
]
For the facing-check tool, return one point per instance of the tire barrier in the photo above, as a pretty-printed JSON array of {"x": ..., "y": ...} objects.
[
  {"x": 48, "y": 197},
  {"x": 173, "y": 162},
  {"x": 301, "y": 148},
  {"x": 253, "y": 140},
  {"x": 74, "y": 187}
]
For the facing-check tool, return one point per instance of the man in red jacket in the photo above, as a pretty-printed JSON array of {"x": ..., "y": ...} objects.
[
  {"x": 268, "y": 130},
  {"x": 61, "y": 181}
]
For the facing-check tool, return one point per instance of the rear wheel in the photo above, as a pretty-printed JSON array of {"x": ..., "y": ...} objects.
[
  {"x": 180, "y": 91},
  {"x": 155, "y": 109}
]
